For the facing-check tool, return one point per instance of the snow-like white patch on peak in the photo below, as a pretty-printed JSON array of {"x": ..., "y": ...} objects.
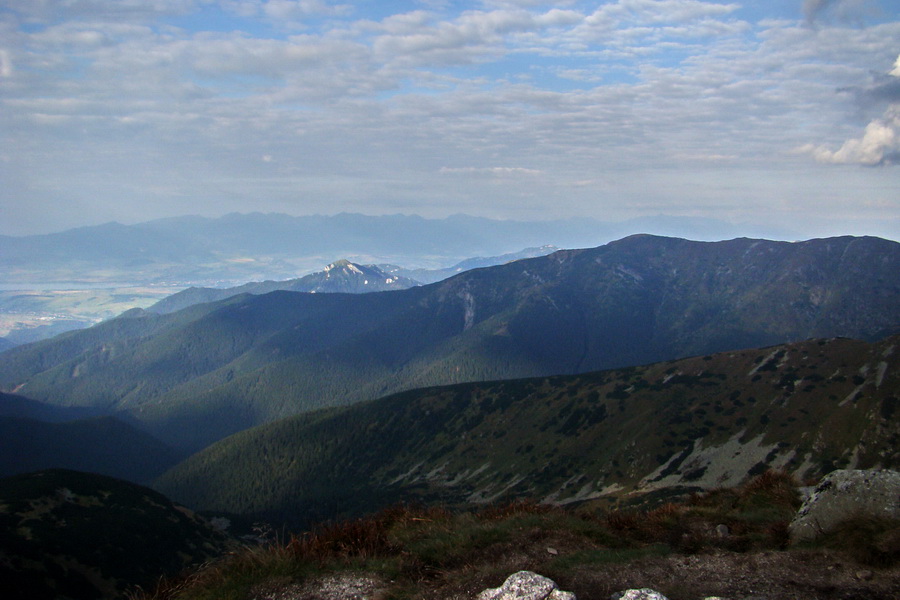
[
  {"x": 469, "y": 309},
  {"x": 670, "y": 376},
  {"x": 764, "y": 361},
  {"x": 879, "y": 376},
  {"x": 344, "y": 264}
]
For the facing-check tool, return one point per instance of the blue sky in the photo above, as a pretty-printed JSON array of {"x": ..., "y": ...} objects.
[{"x": 784, "y": 113}]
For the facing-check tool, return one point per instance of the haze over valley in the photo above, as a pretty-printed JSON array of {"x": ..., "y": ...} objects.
[{"x": 75, "y": 278}]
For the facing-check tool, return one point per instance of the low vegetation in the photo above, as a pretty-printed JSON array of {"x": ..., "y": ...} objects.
[
  {"x": 433, "y": 552},
  {"x": 68, "y": 534},
  {"x": 690, "y": 424}
]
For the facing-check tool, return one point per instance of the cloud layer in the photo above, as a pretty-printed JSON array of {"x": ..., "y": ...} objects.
[
  {"x": 518, "y": 109},
  {"x": 879, "y": 144}
]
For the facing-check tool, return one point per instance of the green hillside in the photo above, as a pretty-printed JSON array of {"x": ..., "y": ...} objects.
[
  {"x": 197, "y": 375},
  {"x": 701, "y": 422},
  {"x": 65, "y": 534}
]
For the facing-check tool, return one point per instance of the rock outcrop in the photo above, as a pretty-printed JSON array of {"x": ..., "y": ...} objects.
[
  {"x": 642, "y": 594},
  {"x": 526, "y": 585},
  {"x": 845, "y": 494},
  {"x": 647, "y": 594}
]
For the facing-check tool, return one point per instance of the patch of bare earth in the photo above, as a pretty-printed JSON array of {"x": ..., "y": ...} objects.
[
  {"x": 769, "y": 575},
  {"x": 343, "y": 586},
  {"x": 793, "y": 575}
]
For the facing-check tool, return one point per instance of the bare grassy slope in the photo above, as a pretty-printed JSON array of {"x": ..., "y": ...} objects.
[
  {"x": 696, "y": 423},
  {"x": 676, "y": 549}
]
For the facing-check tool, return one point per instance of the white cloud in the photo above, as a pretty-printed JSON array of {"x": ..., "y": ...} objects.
[
  {"x": 6, "y": 64},
  {"x": 879, "y": 144},
  {"x": 524, "y": 3},
  {"x": 286, "y": 12},
  {"x": 559, "y": 106},
  {"x": 43, "y": 11},
  {"x": 847, "y": 11},
  {"x": 474, "y": 36},
  {"x": 650, "y": 12},
  {"x": 494, "y": 171}
]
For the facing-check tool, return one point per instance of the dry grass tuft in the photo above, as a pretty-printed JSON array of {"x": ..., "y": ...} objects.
[
  {"x": 871, "y": 541},
  {"x": 516, "y": 507},
  {"x": 420, "y": 548}
]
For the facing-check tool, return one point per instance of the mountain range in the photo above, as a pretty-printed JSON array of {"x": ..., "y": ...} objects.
[
  {"x": 343, "y": 276},
  {"x": 200, "y": 374},
  {"x": 257, "y": 247},
  {"x": 425, "y": 276},
  {"x": 634, "y": 372}
]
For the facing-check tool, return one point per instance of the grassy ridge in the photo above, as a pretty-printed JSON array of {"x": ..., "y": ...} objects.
[
  {"x": 695, "y": 423},
  {"x": 420, "y": 552},
  {"x": 65, "y": 534}
]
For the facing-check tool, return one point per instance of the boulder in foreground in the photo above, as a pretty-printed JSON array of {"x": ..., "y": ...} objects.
[{"x": 847, "y": 494}]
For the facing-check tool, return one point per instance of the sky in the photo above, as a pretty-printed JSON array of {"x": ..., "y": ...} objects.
[{"x": 773, "y": 112}]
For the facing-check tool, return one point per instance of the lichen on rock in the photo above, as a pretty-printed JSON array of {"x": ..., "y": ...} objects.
[
  {"x": 846, "y": 494},
  {"x": 526, "y": 585}
]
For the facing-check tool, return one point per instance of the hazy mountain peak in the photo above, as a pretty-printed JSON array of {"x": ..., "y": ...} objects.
[{"x": 345, "y": 266}]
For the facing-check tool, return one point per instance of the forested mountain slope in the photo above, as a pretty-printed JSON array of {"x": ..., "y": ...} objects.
[
  {"x": 696, "y": 423},
  {"x": 83, "y": 536},
  {"x": 203, "y": 373},
  {"x": 103, "y": 445}
]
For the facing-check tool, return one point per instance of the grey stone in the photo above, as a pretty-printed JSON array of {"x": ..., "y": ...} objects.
[
  {"x": 722, "y": 531},
  {"x": 343, "y": 586},
  {"x": 526, "y": 585},
  {"x": 648, "y": 594},
  {"x": 844, "y": 494},
  {"x": 639, "y": 594}
]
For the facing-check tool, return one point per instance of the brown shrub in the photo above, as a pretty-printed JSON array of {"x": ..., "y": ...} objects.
[{"x": 516, "y": 507}]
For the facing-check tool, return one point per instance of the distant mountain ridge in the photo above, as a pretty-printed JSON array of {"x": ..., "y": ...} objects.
[
  {"x": 341, "y": 276},
  {"x": 425, "y": 276},
  {"x": 200, "y": 374},
  {"x": 257, "y": 247}
]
